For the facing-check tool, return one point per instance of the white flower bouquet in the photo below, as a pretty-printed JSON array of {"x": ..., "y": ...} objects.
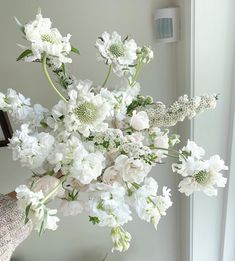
[{"x": 94, "y": 150}]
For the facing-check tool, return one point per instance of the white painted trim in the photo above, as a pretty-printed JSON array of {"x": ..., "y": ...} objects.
[
  {"x": 189, "y": 66},
  {"x": 227, "y": 248}
]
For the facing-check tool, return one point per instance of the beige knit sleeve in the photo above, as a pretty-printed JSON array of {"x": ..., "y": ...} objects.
[{"x": 12, "y": 228}]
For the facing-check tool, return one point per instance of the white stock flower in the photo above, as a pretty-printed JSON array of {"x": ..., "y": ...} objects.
[
  {"x": 160, "y": 140},
  {"x": 71, "y": 208},
  {"x": 45, "y": 39},
  {"x": 41, "y": 216},
  {"x": 120, "y": 53},
  {"x": 139, "y": 120},
  {"x": 31, "y": 149},
  {"x": 149, "y": 206},
  {"x": 107, "y": 203},
  {"x": 132, "y": 170},
  {"x": 121, "y": 239},
  {"x": 72, "y": 158},
  {"x": 3, "y": 102}
]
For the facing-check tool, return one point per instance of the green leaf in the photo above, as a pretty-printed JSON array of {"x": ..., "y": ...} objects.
[
  {"x": 94, "y": 220},
  {"x": 42, "y": 229},
  {"x": 25, "y": 53},
  {"x": 27, "y": 213},
  {"x": 20, "y": 25},
  {"x": 74, "y": 50}
]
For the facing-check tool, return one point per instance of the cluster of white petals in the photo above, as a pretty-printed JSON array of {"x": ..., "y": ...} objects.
[
  {"x": 38, "y": 213},
  {"x": 149, "y": 206},
  {"x": 94, "y": 150},
  {"x": 45, "y": 39},
  {"x": 199, "y": 175}
]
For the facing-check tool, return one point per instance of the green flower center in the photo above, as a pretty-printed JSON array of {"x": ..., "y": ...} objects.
[
  {"x": 117, "y": 50},
  {"x": 48, "y": 38},
  {"x": 86, "y": 112},
  {"x": 202, "y": 177}
]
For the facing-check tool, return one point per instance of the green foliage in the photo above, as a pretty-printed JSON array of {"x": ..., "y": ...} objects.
[
  {"x": 24, "y": 54},
  {"x": 140, "y": 101},
  {"x": 94, "y": 220}
]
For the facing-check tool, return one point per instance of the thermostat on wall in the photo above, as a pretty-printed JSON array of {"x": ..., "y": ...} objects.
[{"x": 167, "y": 24}]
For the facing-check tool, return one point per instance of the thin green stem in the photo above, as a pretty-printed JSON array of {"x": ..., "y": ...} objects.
[
  {"x": 44, "y": 66},
  {"x": 171, "y": 150},
  {"x": 137, "y": 72},
  {"x": 108, "y": 74}
]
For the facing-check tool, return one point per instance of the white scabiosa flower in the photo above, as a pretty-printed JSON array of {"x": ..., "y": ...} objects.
[
  {"x": 139, "y": 120},
  {"x": 31, "y": 149},
  {"x": 149, "y": 206},
  {"x": 107, "y": 205},
  {"x": 132, "y": 170},
  {"x": 45, "y": 39},
  {"x": 86, "y": 112},
  {"x": 120, "y": 53},
  {"x": 206, "y": 177}
]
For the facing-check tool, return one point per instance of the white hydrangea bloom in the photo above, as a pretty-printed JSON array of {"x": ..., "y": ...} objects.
[
  {"x": 132, "y": 170},
  {"x": 120, "y": 53},
  {"x": 149, "y": 206},
  {"x": 38, "y": 213},
  {"x": 45, "y": 39},
  {"x": 31, "y": 149},
  {"x": 3, "y": 102},
  {"x": 107, "y": 203}
]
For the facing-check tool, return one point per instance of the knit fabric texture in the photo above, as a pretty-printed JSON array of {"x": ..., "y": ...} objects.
[{"x": 12, "y": 228}]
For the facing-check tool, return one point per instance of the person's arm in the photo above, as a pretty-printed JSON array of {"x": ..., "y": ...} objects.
[{"x": 12, "y": 228}]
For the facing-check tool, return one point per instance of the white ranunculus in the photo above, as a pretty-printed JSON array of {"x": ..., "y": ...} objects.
[
  {"x": 139, "y": 120},
  {"x": 132, "y": 170}
]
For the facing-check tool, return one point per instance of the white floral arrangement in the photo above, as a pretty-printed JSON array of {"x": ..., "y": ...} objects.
[{"x": 94, "y": 150}]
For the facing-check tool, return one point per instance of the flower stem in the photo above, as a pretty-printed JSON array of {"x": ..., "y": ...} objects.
[
  {"x": 137, "y": 72},
  {"x": 108, "y": 74},
  {"x": 171, "y": 150},
  {"x": 44, "y": 66}
]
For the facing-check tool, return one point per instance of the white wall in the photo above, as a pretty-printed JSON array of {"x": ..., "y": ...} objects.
[
  {"x": 214, "y": 54},
  {"x": 76, "y": 239}
]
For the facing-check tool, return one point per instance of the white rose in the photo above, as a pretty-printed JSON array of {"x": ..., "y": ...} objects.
[
  {"x": 139, "y": 121},
  {"x": 111, "y": 175},
  {"x": 132, "y": 170}
]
